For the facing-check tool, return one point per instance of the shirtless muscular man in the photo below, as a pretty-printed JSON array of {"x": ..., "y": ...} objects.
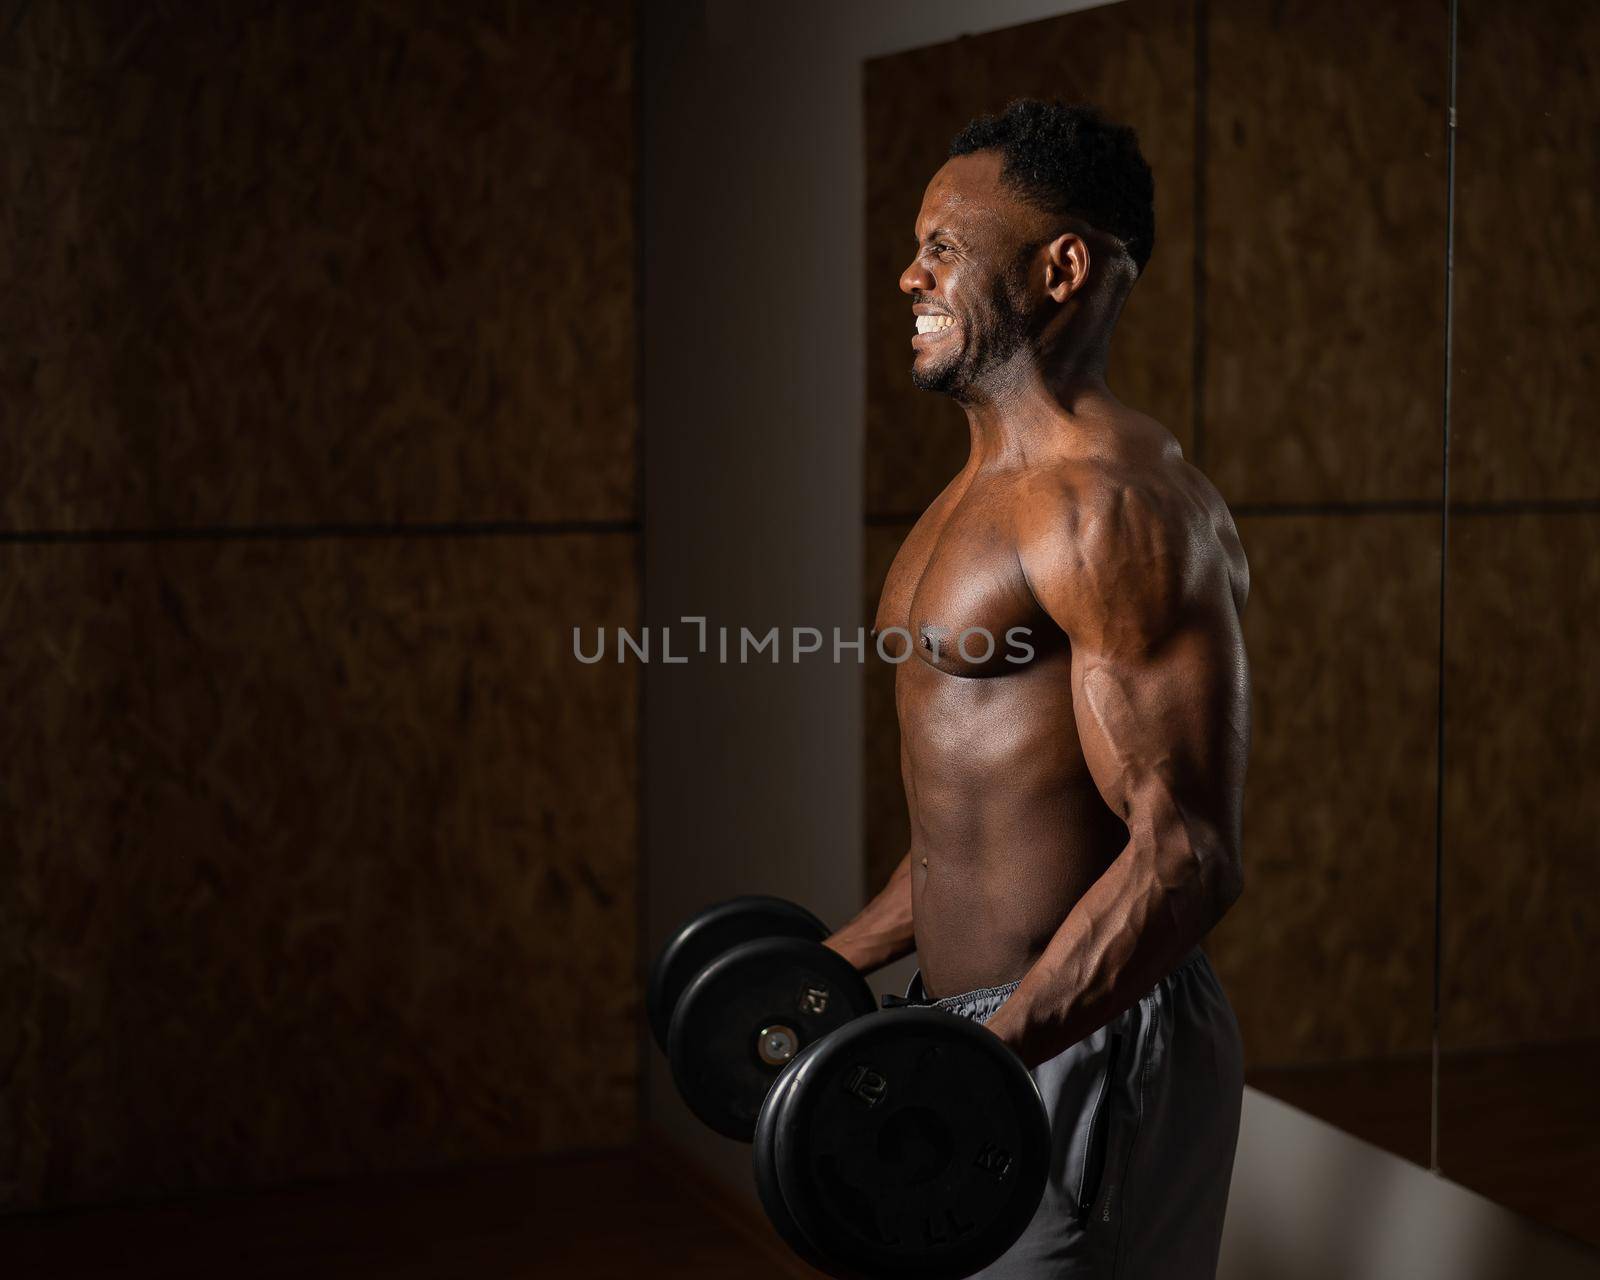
[{"x": 1075, "y": 817}]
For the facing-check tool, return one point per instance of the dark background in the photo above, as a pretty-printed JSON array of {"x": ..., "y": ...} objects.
[{"x": 317, "y": 850}]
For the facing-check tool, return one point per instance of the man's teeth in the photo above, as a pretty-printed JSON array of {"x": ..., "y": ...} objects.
[{"x": 932, "y": 324}]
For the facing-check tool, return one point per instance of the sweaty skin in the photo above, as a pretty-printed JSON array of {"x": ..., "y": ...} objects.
[{"x": 1075, "y": 817}]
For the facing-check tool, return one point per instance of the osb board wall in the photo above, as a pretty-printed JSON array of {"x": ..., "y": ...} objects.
[
  {"x": 319, "y": 860},
  {"x": 1527, "y": 252},
  {"x": 1522, "y": 866},
  {"x": 1522, "y": 879},
  {"x": 1330, "y": 953},
  {"x": 274, "y": 262},
  {"x": 319, "y": 846},
  {"x": 1323, "y": 323},
  {"x": 1324, "y": 249}
]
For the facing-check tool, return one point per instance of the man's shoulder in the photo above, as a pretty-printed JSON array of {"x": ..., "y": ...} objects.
[
  {"x": 1101, "y": 504},
  {"x": 1113, "y": 542}
]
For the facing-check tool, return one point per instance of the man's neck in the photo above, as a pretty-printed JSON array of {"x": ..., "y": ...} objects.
[
  {"x": 1050, "y": 400},
  {"x": 1028, "y": 416}
]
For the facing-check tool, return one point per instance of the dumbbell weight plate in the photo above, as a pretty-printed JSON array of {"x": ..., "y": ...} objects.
[
  {"x": 766, "y": 1171},
  {"x": 705, "y": 936},
  {"x": 909, "y": 1143},
  {"x": 747, "y": 1014}
]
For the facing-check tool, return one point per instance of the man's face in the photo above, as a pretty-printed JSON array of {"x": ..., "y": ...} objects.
[{"x": 968, "y": 283}]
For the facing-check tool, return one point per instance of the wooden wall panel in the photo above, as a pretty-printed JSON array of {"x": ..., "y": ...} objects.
[
  {"x": 1527, "y": 252},
  {"x": 1136, "y": 61},
  {"x": 1329, "y": 953},
  {"x": 1522, "y": 815},
  {"x": 1324, "y": 235},
  {"x": 320, "y": 850},
  {"x": 273, "y": 263},
  {"x": 318, "y": 858}
]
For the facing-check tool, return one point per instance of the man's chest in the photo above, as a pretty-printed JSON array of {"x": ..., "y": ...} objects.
[{"x": 957, "y": 590}]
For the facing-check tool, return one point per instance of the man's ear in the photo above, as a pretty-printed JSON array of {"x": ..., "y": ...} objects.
[{"x": 1066, "y": 266}]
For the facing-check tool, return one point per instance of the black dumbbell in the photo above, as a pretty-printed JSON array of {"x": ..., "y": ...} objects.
[
  {"x": 908, "y": 1143},
  {"x": 706, "y": 935},
  {"x": 740, "y": 989}
]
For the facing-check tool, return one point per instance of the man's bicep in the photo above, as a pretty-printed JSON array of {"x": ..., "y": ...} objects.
[
  {"x": 1159, "y": 683},
  {"x": 1162, "y": 731}
]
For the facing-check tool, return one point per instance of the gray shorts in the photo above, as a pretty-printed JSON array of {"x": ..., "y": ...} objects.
[{"x": 1144, "y": 1115}]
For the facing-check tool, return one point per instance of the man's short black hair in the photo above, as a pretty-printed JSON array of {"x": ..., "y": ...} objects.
[{"x": 1069, "y": 159}]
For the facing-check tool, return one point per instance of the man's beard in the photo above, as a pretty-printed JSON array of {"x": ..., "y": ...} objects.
[{"x": 989, "y": 340}]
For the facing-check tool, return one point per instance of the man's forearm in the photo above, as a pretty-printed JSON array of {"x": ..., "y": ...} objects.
[
  {"x": 1133, "y": 926},
  {"x": 881, "y": 933}
]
